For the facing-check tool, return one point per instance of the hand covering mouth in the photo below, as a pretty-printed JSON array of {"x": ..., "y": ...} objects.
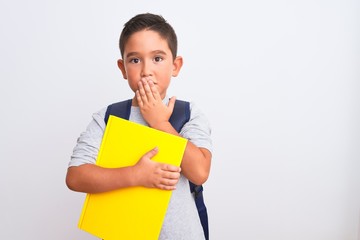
[{"x": 147, "y": 79}]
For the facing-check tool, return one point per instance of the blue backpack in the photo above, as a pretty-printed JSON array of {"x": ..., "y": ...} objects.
[{"x": 180, "y": 116}]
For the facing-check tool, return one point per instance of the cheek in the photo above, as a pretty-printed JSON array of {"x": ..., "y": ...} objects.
[
  {"x": 133, "y": 83},
  {"x": 134, "y": 88}
]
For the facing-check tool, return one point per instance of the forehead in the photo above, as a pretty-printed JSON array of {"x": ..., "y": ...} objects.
[{"x": 146, "y": 40}]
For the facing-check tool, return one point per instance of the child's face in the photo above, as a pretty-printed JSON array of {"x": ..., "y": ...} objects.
[{"x": 148, "y": 56}]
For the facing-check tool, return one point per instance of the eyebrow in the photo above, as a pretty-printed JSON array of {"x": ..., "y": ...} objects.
[{"x": 130, "y": 54}]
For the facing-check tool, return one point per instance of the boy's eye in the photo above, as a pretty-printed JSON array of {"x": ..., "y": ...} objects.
[
  {"x": 135, "y": 60},
  {"x": 158, "y": 59}
]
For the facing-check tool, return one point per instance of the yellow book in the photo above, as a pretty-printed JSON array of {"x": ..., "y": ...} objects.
[{"x": 135, "y": 213}]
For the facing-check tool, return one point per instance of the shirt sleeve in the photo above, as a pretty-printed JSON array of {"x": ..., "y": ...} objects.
[
  {"x": 197, "y": 130},
  {"x": 88, "y": 144}
]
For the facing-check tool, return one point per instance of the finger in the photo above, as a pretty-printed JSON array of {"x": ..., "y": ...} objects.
[
  {"x": 142, "y": 92},
  {"x": 138, "y": 98},
  {"x": 154, "y": 90},
  {"x": 152, "y": 153},
  {"x": 168, "y": 182},
  {"x": 172, "y": 175},
  {"x": 147, "y": 89},
  {"x": 170, "y": 168},
  {"x": 165, "y": 187},
  {"x": 171, "y": 103}
]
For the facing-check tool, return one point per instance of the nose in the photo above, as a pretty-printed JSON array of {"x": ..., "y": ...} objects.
[{"x": 146, "y": 69}]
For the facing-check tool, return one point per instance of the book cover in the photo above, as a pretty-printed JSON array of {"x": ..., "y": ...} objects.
[{"x": 135, "y": 212}]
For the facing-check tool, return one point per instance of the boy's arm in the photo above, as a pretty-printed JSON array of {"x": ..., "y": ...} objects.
[
  {"x": 90, "y": 178},
  {"x": 196, "y": 161}
]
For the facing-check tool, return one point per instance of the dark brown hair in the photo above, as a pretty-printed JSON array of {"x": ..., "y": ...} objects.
[{"x": 149, "y": 21}]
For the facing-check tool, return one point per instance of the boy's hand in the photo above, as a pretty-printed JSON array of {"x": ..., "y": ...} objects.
[
  {"x": 154, "y": 111},
  {"x": 156, "y": 175}
]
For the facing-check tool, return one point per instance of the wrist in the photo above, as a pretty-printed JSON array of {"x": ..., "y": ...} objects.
[
  {"x": 165, "y": 127},
  {"x": 160, "y": 125},
  {"x": 134, "y": 176}
]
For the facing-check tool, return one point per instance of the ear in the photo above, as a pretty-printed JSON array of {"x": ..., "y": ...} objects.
[
  {"x": 178, "y": 62},
  {"x": 121, "y": 66}
]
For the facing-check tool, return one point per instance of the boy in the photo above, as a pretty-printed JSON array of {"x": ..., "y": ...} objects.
[{"x": 148, "y": 46}]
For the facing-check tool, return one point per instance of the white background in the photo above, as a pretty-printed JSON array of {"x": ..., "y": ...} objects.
[{"x": 279, "y": 81}]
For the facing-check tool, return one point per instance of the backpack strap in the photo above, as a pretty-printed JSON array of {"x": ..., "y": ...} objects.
[
  {"x": 200, "y": 205},
  {"x": 180, "y": 116},
  {"x": 119, "y": 109}
]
